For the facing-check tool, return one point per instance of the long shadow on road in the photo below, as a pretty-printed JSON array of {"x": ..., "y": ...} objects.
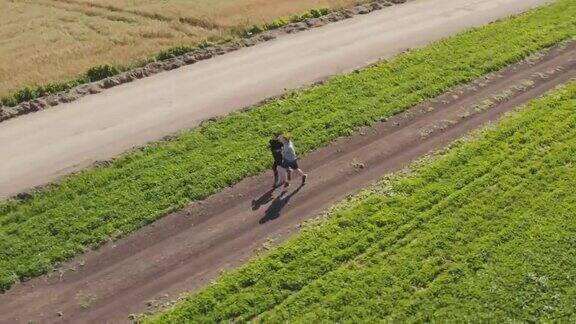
[
  {"x": 278, "y": 204},
  {"x": 263, "y": 200}
]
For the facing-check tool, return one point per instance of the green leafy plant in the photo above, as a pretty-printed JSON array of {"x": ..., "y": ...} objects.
[
  {"x": 276, "y": 24},
  {"x": 316, "y": 13},
  {"x": 25, "y": 94},
  {"x": 174, "y": 52},
  {"x": 98, "y": 73}
]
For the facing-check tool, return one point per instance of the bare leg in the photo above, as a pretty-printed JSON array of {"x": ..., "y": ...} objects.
[
  {"x": 300, "y": 172},
  {"x": 303, "y": 175},
  {"x": 288, "y": 177},
  {"x": 276, "y": 180}
]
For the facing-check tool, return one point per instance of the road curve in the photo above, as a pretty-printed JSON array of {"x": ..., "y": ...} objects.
[{"x": 39, "y": 147}]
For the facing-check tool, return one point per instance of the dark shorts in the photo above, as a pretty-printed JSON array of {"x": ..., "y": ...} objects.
[
  {"x": 278, "y": 164},
  {"x": 290, "y": 164}
]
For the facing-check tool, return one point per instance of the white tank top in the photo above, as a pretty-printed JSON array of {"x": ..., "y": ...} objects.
[{"x": 288, "y": 152}]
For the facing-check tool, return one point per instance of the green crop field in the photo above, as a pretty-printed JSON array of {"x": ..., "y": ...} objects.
[
  {"x": 485, "y": 231},
  {"x": 92, "y": 207}
]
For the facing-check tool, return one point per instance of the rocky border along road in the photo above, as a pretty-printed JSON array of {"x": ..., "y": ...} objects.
[
  {"x": 185, "y": 250},
  {"x": 187, "y": 59}
]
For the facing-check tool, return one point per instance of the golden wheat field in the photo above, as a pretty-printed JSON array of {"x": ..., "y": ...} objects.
[{"x": 44, "y": 41}]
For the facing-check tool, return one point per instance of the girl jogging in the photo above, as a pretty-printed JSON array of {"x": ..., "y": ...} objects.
[{"x": 290, "y": 161}]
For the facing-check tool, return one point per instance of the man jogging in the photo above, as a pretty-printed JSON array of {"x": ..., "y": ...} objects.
[
  {"x": 290, "y": 161},
  {"x": 276, "y": 147}
]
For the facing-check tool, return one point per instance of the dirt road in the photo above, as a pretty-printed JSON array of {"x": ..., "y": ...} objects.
[
  {"x": 39, "y": 147},
  {"x": 184, "y": 250}
]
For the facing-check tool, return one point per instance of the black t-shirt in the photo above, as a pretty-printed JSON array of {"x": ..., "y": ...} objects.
[{"x": 276, "y": 148}]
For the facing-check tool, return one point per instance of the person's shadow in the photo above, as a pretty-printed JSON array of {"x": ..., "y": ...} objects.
[
  {"x": 263, "y": 200},
  {"x": 277, "y": 205}
]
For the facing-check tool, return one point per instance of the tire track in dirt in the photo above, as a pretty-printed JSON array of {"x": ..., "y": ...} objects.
[
  {"x": 86, "y": 11},
  {"x": 192, "y": 21},
  {"x": 118, "y": 14},
  {"x": 185, "y": 250}
]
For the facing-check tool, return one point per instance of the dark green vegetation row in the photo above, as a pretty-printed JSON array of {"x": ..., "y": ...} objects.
[
  {"x": 92, "y": 207},
  {"x": 103, "y": 71},
  {"x": 484, "y": 232}
]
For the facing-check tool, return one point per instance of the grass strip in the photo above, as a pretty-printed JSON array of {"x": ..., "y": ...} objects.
[
  {"x": 92, "y": 207},
  {"x": 483, "y": 232}
]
